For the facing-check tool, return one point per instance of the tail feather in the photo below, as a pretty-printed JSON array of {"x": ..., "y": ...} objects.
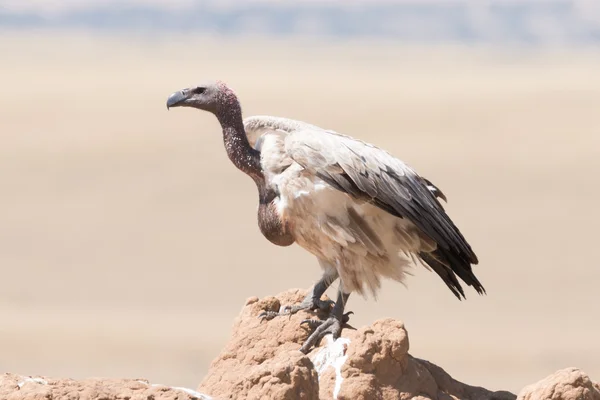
[{"x": 447, "y": 265}]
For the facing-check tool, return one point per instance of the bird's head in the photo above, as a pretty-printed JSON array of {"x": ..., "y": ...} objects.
[{"x": 212, "y": 97}]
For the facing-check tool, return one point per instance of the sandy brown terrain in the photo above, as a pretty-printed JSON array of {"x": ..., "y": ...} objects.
[{"x": 128, "y": 241}]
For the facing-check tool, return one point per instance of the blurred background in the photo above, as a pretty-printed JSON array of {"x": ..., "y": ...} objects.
[{"x": 128, "y": 242}]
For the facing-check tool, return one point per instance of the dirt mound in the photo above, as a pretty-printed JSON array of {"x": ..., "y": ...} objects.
[
  {"x": 16, "y": 387},
  {"x": 262, "y": 361},
  {"x": 566, "y": 384}
]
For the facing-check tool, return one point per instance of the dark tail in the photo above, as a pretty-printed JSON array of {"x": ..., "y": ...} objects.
[{"x": 447, "y": 265}]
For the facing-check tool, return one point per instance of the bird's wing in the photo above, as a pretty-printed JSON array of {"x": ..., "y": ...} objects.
[
  {"x": 368, "y": 173},
  {"x": 371, "y": 174},
  {"x": 259, "y": 125}
]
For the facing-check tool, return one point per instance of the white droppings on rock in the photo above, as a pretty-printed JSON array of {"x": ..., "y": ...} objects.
[
  {"x": 186, "y": 390},
  {"x": 332, "y": 354},
  {"x": 193, "y": 393},
  {"x": 29, "y": 379}
]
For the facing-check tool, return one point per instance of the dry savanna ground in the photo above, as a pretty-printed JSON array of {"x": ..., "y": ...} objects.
[{"x": 128, "y": 242}]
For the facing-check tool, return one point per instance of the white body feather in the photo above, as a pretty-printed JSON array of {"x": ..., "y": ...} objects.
[{"x": 364, "y": 243}]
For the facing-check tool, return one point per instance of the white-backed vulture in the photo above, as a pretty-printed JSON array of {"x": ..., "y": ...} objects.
[{"x": 362, "y": 212}]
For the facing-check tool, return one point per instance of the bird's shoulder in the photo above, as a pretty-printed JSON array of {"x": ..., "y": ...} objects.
[
  {"x": 331, "y": 151},
  {"x": 258, "y": 126}
]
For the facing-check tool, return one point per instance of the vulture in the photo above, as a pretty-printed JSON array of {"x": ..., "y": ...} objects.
[{"x": 364, "y": 214}]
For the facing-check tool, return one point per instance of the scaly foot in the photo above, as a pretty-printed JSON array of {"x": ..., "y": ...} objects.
[
  {"x": 331, "y": 325},
  {"x": 309, "y": 303}
]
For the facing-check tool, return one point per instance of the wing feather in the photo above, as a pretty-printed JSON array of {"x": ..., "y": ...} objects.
[{"x": 371, "y": 174}]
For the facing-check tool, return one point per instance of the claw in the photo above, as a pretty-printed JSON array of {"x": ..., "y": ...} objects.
[
  {"x": 312, "y": 323},
  {"x": 289, "y": 310},
  {"x": 267, "y": 315},
  {"x": 346, "y": 317},
  {"x": 330, "y": 326},
  {"x": 321, "y": 328}
]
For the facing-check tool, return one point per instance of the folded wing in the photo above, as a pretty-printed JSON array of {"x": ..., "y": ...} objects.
[
  {"x": 368, "y": 173},
  {"x": 371, "y": 174}
]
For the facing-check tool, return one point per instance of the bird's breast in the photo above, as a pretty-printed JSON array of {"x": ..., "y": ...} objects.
[{"x": 272, "y": 226}]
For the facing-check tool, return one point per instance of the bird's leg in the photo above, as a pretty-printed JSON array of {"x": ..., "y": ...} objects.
[
  {"x": 333, "y": 325},
  {"x": 312, "y": 301}
]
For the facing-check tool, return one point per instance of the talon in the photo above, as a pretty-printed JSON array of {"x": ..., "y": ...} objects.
[
  {"x": 311, "y": 304},
  {"x": 312, "y": 323},
  {"x": 346, "y": 317},
  {"x": 330, "y": 326},
  {"x": 267, "y": 315}
]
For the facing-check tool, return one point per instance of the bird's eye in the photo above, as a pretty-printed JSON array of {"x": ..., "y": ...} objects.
[{"x": 199, "y": 90}]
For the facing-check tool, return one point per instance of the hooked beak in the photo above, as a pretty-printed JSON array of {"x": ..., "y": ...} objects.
[{"x": 177, "y": 98}]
